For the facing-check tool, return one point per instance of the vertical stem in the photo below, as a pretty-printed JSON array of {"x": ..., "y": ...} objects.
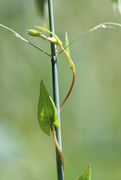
[{"x": 55, "y": 90}]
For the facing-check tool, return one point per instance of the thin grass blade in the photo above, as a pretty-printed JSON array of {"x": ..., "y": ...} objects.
[
  {"x": 67, "y": 43},
  {"x": 23, "y": 39},
  {"x": 105, "y": 25}
]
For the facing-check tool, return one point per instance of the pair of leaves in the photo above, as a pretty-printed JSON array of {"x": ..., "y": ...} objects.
[
  {"x": 86, "y": 175},
  {"x": 47, "y": 112}
]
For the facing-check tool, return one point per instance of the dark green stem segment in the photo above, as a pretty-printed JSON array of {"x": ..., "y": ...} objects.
[{"x": 60, "y": 172}]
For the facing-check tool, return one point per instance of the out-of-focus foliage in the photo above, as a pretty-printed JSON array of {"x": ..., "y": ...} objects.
[
  {"x": 114, "y": 1},
  {"x": 91, "y": 119},
  {"x": 117, "y": 5},
  {"x": 41, "y": 6}
]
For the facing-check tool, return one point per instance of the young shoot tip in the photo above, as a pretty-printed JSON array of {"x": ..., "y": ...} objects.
[{"x": 34, "y": 33}]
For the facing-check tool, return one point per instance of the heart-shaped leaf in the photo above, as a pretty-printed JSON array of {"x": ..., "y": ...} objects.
[
  {"x": 47, "y": 113},
  {"x": 86, "y": 175}
]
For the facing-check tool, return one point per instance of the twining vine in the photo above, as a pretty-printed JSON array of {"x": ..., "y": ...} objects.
[{"x": 47, "y": 112}]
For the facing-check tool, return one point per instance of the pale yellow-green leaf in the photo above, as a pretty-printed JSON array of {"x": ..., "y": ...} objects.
[{"x": 48, "y": 31}]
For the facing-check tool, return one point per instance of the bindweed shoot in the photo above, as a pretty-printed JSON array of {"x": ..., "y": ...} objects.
[
  {"x": 47, "y": 112},
  {"x": 56, "y": 40}
]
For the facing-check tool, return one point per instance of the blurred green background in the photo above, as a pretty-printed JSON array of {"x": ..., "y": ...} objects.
[{"x": 91, "y": 119}]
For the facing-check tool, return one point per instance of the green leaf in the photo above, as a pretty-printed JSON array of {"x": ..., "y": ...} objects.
[
  {"x": 67, "y": 43},
  {"x": 47, "y": 113},
  {"x": 86, "y": 175}
]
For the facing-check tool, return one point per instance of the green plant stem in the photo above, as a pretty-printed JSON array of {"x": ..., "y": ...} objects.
[{"x": 60, "y": 172}]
